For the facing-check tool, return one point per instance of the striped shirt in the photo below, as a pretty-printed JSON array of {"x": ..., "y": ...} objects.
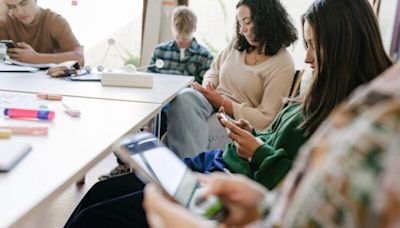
[{"x": 196, "y": 60}]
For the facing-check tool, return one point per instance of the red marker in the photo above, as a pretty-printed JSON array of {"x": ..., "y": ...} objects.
[{"x": 29, "y": 114}]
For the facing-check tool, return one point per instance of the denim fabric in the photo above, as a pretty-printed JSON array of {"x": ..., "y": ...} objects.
[
  {"x": 206, "y": 162},
  {"x": 188, "y": 131}
]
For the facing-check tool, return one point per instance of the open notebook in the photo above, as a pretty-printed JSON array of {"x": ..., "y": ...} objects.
[
  {"x": 11, "y": 153},
  {"x": 40, "y": 66},
  {"x": 15, "y": 68}
]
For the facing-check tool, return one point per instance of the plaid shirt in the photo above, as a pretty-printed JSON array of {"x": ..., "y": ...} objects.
[{"x": 196, "y": 62}]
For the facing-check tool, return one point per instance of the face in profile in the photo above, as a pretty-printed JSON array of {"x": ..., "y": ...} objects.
[
  {"x": 243, "y": 16},
  {"x": 311, "y": 54},
  {"x": 24, "y": 10},
  {"x": 183, "y": 40}
]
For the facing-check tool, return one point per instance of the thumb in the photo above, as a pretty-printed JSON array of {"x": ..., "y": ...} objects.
[
  {"x": 210, "y": 86},
  {"x": 23, "y": 45}
]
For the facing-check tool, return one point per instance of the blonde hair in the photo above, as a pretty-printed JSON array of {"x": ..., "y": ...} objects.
[{"x": 184, "y": 20}]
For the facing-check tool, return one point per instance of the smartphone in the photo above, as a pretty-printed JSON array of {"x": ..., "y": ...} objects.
[
  {"x": 153, "y": 162},
  {"x": 226, "y": 118},
  {"x": 8, "y": 43}
]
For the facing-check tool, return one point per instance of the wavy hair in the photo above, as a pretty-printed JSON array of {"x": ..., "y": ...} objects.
[
  {"x": 349, "y": 52},
  {"x": 272, "y": 26}
]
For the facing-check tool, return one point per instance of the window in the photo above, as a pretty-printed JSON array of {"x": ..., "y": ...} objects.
[{"x": 95, "y": 22}]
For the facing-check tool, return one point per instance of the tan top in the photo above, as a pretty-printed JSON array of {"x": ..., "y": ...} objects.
[
  {"x": 256, "y": 91},
  {"x": 49, "y": 32}
]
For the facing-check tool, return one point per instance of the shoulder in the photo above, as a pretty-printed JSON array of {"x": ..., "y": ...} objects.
[
  {"x": 165, "y": 46},
  {"x": 283, "y": 59},
  {"x": 55, "y": 19},
  {"x": 201, "y": 50},
  {"x": 229, "y": 50},
  {"x": 3, "y": 21},
  {"x": 231, "y": 45}
]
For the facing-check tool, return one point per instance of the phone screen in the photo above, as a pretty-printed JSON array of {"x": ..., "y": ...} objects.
[
  {"x": 8, "y": 43},
  {"x": 169, "y": 171},
  {"x": 154, "y": 162}
]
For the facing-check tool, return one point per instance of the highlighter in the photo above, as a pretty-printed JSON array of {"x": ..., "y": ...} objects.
[
  {"x": 29, "y": 114},
  {"x": 52, "y": 97}
]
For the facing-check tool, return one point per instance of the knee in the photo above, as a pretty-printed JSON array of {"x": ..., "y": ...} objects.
[{"x": 184, "y": 98}]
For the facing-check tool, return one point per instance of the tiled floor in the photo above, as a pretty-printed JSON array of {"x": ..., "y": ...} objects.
[{"x": 56, "y": 213}]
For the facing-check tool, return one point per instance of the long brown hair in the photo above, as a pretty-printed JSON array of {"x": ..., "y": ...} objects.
[{"x": 349, "y": 52}]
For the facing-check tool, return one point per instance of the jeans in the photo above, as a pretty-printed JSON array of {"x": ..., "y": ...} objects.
[{"x": 192, "y": 127}]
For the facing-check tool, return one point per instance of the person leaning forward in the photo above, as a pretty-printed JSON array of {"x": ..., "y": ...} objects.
[{"x": 40, "y": 35}]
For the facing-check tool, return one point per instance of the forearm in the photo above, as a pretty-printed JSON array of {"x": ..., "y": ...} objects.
[
  {"x": 227, "y": 104},
  {"x": 60, "y": 57}
]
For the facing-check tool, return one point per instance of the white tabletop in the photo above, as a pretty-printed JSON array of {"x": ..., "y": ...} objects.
[
  {"x": 164, "y": 89},
  {"x": 72, "y": 147}
]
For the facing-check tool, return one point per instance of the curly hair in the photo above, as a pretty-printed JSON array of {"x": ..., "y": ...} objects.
[{"x": 272, "y": 26}]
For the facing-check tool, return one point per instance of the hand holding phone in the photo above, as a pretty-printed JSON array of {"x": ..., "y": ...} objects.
[
  {"x": 227, "y": 118},
  {"x": 153, "y": 162}
]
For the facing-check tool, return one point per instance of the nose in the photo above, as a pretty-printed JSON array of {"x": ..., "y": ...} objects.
[
  {"x": 309, "y": 56},
  {"x": 242, "y": 28}
]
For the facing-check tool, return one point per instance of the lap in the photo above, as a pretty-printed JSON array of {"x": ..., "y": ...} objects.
[
  {"x": 123, "y": 211},
  {"x": 206, "y": 162}
]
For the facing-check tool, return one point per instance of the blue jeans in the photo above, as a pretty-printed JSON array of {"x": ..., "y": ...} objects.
[{"x": 192, "y": 127}]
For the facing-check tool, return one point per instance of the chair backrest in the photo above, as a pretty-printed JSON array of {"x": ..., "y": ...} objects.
[{"x": 295, "y": 89}]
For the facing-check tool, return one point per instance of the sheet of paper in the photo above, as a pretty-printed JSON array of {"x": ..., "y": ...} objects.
[
  {"x": 19, "y": 100},
  {"x": 14, "y": 68}
]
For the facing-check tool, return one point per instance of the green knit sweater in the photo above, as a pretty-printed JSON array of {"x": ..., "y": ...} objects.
[{"x": 272, "y": 160}]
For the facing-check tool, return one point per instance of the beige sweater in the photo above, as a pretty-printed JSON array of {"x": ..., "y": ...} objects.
[{"x": 256, "y": 91}]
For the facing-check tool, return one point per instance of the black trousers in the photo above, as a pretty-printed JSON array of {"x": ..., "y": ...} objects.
[{"x": 115, "y": 202}]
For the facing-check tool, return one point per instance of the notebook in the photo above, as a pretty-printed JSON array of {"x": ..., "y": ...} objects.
[
  {"x": 14, "y": 68},
  {"x": 42, "y": 66},
  {"x": 11, "y": 153},
  {"x": 87, "y": 77}
]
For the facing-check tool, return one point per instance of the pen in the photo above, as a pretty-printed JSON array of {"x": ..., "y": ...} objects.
[
  {"x": 52, "y": 97},
  {"x": 25, "y": 130},
  {"x": 29, "y": 113}
]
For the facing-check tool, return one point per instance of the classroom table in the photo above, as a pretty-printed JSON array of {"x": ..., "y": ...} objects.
[
  {"x": 165, "y": 87},
  {"x": 71, "y": 148}
]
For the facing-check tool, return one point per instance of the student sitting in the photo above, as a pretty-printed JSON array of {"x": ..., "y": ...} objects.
[
  {"x": 249, "y": 78},
  {"x": 347, "y": 175},
  {"x": 183, "y": 55},
  {"x": 335, "y": 49},
  {"x": 40, "y": 35}
]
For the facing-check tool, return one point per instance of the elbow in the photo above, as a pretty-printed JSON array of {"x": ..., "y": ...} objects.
[{"x": 79, "y": 57}]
